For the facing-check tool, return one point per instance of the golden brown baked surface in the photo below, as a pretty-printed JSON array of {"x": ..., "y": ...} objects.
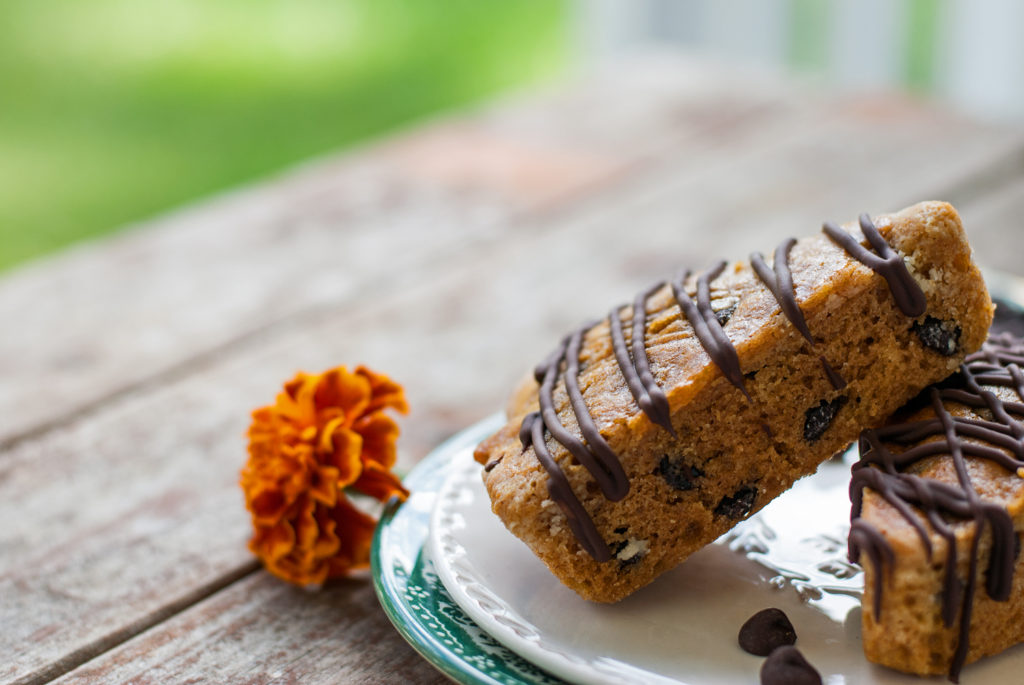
[
  {"x": 730, "y": 454},
  {"x": 938, "y": 595}
]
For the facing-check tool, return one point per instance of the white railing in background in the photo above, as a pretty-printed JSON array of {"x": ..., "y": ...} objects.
[{"x": 969, "y": 53}]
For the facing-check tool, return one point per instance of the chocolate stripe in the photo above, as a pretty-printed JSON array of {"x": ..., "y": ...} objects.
[
  {"x": 780, "y": 284},
  {"x": 605, "y": 466},
  {"x": 561, "y": 493},
  {"x": 706, "y": 327},
  {"x": 660, "y": 412},
  {"x": 890, "y": 266},
  {"x": 635, "y": 368}
]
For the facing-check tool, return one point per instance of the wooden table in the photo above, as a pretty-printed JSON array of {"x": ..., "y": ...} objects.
[{"x": 451, "y": 256}]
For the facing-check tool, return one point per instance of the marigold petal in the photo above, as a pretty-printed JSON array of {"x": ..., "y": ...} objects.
[
  {"x": 384, "y": 391},
  {"x": 323, "y": 487},
  {"x": 306, "y": 529},
  {"x": 379, "y": 483},
  {"x": 267, "y": 505},
  {"x": 340, "y": 389},
  {"x": 298, "y": 571},
  {"x": 327, "y": 543},
  {"x": 379, "y": 433},
  {"x": 273, "y": 542},
  {"x": 354, "y": 550},
  {"x": 346, "y": 457}
]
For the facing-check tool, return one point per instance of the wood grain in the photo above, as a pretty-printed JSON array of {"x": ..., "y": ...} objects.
[
  {"x": 263, "y": 632},
  {"x": 121, "y": 515}
]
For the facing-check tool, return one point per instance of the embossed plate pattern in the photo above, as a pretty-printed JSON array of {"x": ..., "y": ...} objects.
[{"x": 413, "y": 596}]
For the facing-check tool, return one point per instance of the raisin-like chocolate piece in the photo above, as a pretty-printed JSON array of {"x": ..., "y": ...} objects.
[
  {"x": 725, "y": 313},
  {"x": 739, "y": 505},
  {"x": 941, "y": 336},
  {"x": 787, "y": 666},
  {"x": 678, "y": 475},
  {"x": 766, "y": 630},
  {"x": 818, "y": 419}
]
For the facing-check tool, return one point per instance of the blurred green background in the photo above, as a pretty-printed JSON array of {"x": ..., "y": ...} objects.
[{"x": 114, "y": 110}]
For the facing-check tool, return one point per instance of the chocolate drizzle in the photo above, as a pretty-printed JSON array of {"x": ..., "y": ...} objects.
[
  {"x": 593, "y": 452},
  {"x": 999, "y": 439},
  {"x": 780, "y": 283},
  {"x": 636, "y": 369},
  {"x": 887, "y": 263},
  {"x": 706, "y": 326}
]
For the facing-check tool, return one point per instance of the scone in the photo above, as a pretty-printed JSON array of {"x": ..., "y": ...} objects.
[
  {"x": 640, "y": 439},
  {"x": 938, "y": 506}
]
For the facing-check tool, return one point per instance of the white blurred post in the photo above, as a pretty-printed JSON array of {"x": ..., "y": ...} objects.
[{"x": 982, "y": 56}]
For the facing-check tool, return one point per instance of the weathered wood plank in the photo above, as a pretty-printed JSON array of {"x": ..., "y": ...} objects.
[
  {"x": 114, "y": 516},
  {"x": 339, "y": 634},
  {"x": 108, "y": 317}
]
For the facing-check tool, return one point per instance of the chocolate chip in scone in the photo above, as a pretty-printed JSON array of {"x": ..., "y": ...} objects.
[
  {"x": 739, "y": 505},
  {"x": 724, "y": 309},
  {"x": 787, "y": 666},
  {"x": 817, "y": 419},
  {"x": 938, "y": 335},
  {"x": 766, "y": 630},
  {"x": 678, "y": 475}
]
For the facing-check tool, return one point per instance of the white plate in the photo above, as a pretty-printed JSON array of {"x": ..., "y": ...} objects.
[{"x": 683, "y": 627}]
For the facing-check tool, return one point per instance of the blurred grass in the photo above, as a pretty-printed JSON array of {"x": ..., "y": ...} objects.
[{"x": 113, "y": 110}]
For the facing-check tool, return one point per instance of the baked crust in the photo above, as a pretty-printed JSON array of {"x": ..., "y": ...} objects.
[{"x": 731, "y": 455}]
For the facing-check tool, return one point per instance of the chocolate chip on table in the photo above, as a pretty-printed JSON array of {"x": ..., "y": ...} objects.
[
  {"x": 766, "y": 630},
  {"x": 818, "y": 419},
  {"x": 787, "y": 666},
  {"x": 739, "y": 505},
  {"x": 679, "y": 475},
  {"x": 938, "y": 335}
]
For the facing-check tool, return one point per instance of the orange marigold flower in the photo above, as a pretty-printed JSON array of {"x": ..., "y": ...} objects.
[{"x": 324, "y": 433}]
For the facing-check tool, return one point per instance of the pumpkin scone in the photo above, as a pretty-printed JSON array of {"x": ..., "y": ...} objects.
[
  {"x": 649, "y": 433},
  {"x": 938, "y": 510}
]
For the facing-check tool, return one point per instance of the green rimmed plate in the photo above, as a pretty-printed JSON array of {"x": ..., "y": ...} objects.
[{"x": 412, "y": 594}]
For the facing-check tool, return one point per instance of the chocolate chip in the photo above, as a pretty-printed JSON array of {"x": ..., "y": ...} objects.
[
  {"x": 941, "y": 336},
  {"x": 677, "y": 474},
  {"x": 766, "y": 630},
  {"x": 787, "y": 666},
  {"x": 739, "y": 505},
  {"x": 723, "y": 315},
  {"x": 818, "y": 419},
  {"x": 621, "y": 530}
]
